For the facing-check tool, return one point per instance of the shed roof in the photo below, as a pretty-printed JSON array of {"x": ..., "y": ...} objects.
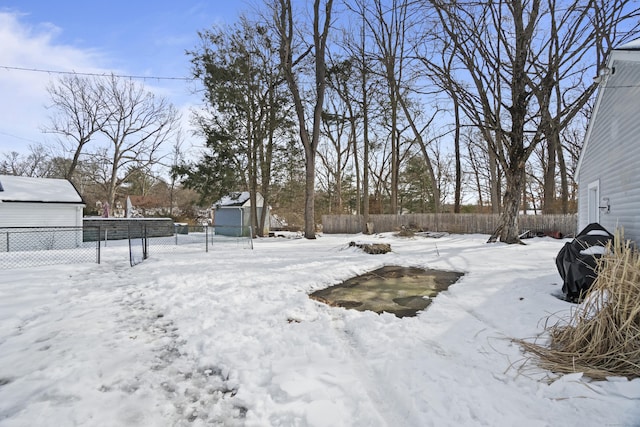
[
  {"x": 233, "y": 199},
  {"x": 632, "y": 45},
  {"x": 39, "y": 190},
  {"x": 238, "y": 199}
]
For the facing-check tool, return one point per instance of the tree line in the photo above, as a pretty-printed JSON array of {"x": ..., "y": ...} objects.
[
  {"x": 407, "y": 105},
  {"x": 373, "y": 106},
  {"x": 111, "y": 131}
]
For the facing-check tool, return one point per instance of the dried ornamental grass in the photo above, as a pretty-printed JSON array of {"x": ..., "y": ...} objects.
[{"x": 601, "y": 337}]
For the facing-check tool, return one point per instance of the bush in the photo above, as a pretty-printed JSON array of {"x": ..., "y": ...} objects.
[{"x": 601, "y": 338}]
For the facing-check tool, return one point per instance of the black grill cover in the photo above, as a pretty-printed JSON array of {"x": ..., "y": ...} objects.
[{"x": 577, "y": 259}]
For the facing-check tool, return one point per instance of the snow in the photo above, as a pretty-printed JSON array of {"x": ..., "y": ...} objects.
[
  {"x": 599, "y": 233},
  {"x": 233, "y": 199},
  {"x": 230, "y": 337},
  {"x": 594, "y": 250},
  {"x": 632, "y": 45},
  {"x": 28, "y": 189}
]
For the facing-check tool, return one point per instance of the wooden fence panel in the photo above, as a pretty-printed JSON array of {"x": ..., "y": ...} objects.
[{"x": 452, "y": 223}]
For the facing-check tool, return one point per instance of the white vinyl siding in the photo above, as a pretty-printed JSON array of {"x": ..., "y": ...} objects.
[{"x": 40, "y": 215}]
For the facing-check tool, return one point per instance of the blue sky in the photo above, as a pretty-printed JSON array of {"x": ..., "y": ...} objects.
[{"x": 125, "y": 37}]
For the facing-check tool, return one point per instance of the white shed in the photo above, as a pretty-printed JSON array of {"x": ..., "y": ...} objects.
[
  {"x": 39, "y": 202},
  {"x": 608, "y": 172}
]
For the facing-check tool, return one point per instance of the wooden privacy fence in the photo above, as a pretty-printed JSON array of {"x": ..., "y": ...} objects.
[{"x": 452, "y": 223}]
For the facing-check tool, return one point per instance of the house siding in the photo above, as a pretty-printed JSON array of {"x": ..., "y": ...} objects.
[
  {"x": 235, "y": 221},
  {"x": 21, "y": 226},
  {"x": 611, "y": 154},
  {"x": 228, "y": 222},
  {"x": 40, "y": 215}
]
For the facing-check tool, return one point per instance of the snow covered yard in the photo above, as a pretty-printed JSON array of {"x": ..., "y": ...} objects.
[{"x": 230, "y": 338}]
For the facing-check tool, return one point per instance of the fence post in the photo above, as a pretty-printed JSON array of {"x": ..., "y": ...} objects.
[
  {"x": 175, "y": 232},
  {"x": 145, "y": 243},
  {"x": 206, "y": 238}
]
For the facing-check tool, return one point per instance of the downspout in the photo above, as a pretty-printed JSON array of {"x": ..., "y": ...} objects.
[{"x": 241, "y": 220}]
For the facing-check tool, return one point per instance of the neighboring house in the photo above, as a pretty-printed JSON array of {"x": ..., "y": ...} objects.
[
  {"x": 608, "y": 172},
  {"x": 232, "y": 214},
  {"x": 145, "y": 206},
  {"x": 39, "y": 202}
]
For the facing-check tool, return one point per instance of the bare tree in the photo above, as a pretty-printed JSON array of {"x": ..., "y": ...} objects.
[
  {"x": 342, "y": 81},
  {"x": 115, "y": 123},
  {"x": 139, "y": 123},
  {"x": 387, "y": 25},
  {"x": 580, "y": 38},
  {"x": 336, "y": 153},
  {"x": 507, "y": 61},
  {"x": 79, "y": 112},
  {"x": 440, "y": 72},
  {"x": 176, "y": 158},
  {"x": 364, "y": 87},
  {"x": 284, "y": 20},
  {"x": 477, "y": 166},
  {"x": 38, "y": 162},
  {"x": 358, "y": 89}
]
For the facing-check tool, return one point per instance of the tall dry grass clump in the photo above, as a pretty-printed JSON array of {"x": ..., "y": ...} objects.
[{"x": 601, "y": 337}]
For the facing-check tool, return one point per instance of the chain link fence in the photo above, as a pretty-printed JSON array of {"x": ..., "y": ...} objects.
[
  {"x": 22, "y": 247},
  {"x": 207, "y": 238},
  {"x": 37, "y": 246},
  {"x": 138, "y": 243},
  {"x": 199, "y": 237}
]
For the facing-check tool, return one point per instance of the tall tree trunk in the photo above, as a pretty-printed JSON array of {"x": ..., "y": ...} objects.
[
  {"x": 564, "y": 181},
  {"x": 549, "y": 183},
  {"x": 515, "y": 170},
  {"x": 456, "y": 142},
  {"x": 394, "y": 154},
  {"x": 285, "y": 28},
  {"x": 365, "y": 166},
  {"x": 265, "y": 185},
  {"x": 252, "y": 158},
  {"x": 309, "y": 197},
  {"x": 365, "y": 135},
  {"x": 253, "y": 197},
  {"x": 495, "y": 183},
  {"x": 266, "y": 160},
  {"x": 356, "y": 163},
  {"x": 476, "y": 174},
  {"x": 508, "y": 228}
]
